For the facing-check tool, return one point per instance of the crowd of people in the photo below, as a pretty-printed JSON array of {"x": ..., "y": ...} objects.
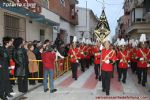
[
  {"x": 18, "y": 58},
  {"x": 17, "y": 55}
]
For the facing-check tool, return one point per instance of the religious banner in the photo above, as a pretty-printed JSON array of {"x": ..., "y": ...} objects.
[{"x": 102, "y": 29}]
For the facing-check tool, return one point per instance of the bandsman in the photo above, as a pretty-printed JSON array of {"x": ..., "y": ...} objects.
[
  {"x": 143, "y": 57},
  {"x": 82, "y": 54},
  {"x": 108, "y": 57},
  {"x": 123, "y": 56},
  {"x": 96, "y": 51},
  {"x": 74, "y": 54}
]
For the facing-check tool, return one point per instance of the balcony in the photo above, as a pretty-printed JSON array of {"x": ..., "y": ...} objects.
[
  {"x": 139, "y": 28},
  {"x": 74, "y": 19}
]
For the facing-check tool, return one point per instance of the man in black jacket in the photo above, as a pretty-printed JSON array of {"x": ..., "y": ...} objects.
[{"x": 5, "y": 85}]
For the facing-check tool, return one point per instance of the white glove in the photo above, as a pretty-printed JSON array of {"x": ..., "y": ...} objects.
[
  {"x": 81, "y": 52},
  {"x": 121, "y": 60},
  {"x": 128, "y": 65},
  {"x": 101, "y": 47},
  {"x": 141, "y": 59},
  {"x": 148, "y": 65},
  {"x": 58, "y": 54},
  {"x": 107, "y": 61},
  {"x": 11, "y": 67}
]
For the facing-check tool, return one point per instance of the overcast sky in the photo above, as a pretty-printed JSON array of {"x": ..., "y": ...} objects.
[{"x": 113, "y": 10}]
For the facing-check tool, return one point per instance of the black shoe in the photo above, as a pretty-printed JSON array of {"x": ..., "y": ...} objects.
[
  {"x": 54, "y": 90},
  {"x": 123, "y": 81},
  {"x": 139, "y": 82},
  {"x": 100, "y": 78},
  {"x": 75, "y": 78},
  {"x": 148, "y": 90},
  {"x": 96, "y": 77},
  {"x": 107, "y": 93},
  {"x": 143, "y": 84},
  {"x": 9, "y": 95},
  {"x": 103, "y": 90},
  {"x": 46, "y": 90},
  {"x": 22, "y": 98}
]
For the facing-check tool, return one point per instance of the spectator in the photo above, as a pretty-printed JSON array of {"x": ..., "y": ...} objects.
[
  {"x": 21, "y": 61},
  {"x": 5, "y": 86},
  {"x": 37, "y": 53},
  {"x": 59, "y": 43},
  {"x": 33, "y": 66},
  {"x": 48, "y": 58}
]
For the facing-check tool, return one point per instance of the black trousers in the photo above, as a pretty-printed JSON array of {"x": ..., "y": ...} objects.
[
  {"x": 117, "y": 64},
  {"x": 106, "y": 76},
  {"x": 133, "y": 67},
  {"x": 5, "y": 85},
  {"x": 22, "y": 84},
  {"x": 33, "y": 75},
  {"x": 74, "y": 67},
  {"x": 87, "y": 63},
  {"x": 122, "y": 71},
  {"x": 142, "y": 75},
  {"x": 96, "y": 68},
  {"x": 40, "y": 72},
  {"x": 83, "y": 64}
]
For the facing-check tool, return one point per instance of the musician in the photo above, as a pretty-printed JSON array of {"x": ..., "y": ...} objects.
[
  {"x": 108, "y": 58},
  {"x": 124, "y": 58},
  {"x": 96, "y": 51},
  {"x": 74, "y": 55},
  {"x": 133, "y": 59},
  {"x": 142, "y": 55},
  {"x": 83, "y": 60}
]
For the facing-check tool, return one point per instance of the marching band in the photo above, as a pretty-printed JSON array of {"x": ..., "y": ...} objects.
[{"x": 107, "y": 57}]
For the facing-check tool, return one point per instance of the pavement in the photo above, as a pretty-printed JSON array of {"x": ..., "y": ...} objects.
[{"x": 88, "y": 88}]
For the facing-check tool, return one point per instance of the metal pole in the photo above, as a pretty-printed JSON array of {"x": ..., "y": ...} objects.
[{"x": 86, "y": 14}]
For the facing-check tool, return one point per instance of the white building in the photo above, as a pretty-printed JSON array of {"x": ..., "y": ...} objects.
[{"x": 87, "y": 22}]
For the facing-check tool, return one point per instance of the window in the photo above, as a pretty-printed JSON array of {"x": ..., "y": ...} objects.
[
  {"x": 14, "y": 26},
  {"x": 62, "y": 2}
]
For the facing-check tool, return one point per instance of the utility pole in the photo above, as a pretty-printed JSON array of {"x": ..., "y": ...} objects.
[{"x": 86, "y": 14}]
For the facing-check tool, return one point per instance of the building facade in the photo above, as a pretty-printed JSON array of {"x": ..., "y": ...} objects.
[
  {"x": 39, "y": 20},
  {"x": 136, "y": 19},
  {"x": 87, "y": 22}
]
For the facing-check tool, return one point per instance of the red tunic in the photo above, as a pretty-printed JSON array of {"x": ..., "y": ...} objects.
[
  {"x": 108, "y": 55},
  {"x": 82, "y": 50},
  {"x": 96, "y": 55},
  {"x": 74, "y": 54},
  {"x": 124, "y": 57},
  {"x": 139, "y": 54}
]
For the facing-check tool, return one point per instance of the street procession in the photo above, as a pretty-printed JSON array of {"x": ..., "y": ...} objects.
[{"x": 38, "y": 62}]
